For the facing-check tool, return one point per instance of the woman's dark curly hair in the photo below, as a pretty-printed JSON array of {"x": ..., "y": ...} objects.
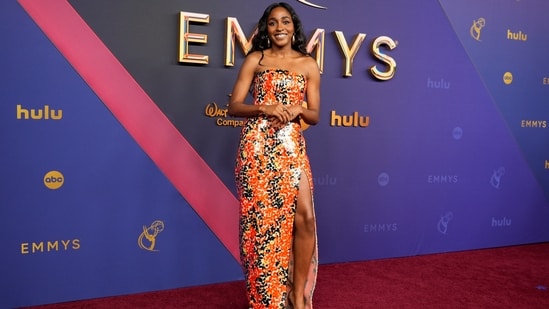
[{"x": 260, "y": 41}]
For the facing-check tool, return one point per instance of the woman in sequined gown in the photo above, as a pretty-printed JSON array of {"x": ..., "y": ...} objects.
[{"x": 278, "y": 245}]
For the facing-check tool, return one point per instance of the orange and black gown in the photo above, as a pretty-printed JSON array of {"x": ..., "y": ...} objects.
[{"x": 270, "y": 163}]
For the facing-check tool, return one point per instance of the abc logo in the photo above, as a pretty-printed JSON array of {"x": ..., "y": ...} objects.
[
  {"x": 507, "y": 78},
  {"x": 53, "y": 180},
  {"x": 383, "y": 179}
]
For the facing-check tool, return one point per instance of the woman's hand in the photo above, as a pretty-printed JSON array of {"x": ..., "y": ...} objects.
[{"x": 281, "y": 114}]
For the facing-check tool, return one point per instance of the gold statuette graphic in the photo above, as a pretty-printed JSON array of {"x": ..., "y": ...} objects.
[
  {"x": 476, "y": 28},
  {"x": 311, "y": 4},
  {"x": 147, "y": 239}
]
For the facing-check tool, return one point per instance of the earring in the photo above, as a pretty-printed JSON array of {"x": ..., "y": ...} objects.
[
  {"x": 293, "y": 38},
  {"x": 268, "y": 42}
]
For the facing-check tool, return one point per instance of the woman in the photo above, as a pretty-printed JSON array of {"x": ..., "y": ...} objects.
[{"x": 274, "y": 183}]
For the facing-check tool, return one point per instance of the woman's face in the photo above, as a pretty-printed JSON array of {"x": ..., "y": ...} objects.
[{"x": 280, "y": 27}]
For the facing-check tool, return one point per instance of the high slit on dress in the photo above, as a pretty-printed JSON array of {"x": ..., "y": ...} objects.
[{"x": 270, "y": 162}]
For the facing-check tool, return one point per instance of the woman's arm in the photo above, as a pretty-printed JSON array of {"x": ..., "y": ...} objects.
[
  {"x": 311, "y": 113},
  {"x": 237, "y": 106}
]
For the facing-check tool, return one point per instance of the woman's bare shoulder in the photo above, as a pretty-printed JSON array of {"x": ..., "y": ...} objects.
[
  {"x": 309, "y": 65},
  {"x": 255, "y": 55}
]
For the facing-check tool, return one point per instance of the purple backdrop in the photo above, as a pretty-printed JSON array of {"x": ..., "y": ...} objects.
[{"x": 449, "y": 154}]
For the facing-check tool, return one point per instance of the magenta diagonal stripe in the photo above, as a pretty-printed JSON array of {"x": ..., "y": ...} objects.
[{"x": 140, "y": 116}]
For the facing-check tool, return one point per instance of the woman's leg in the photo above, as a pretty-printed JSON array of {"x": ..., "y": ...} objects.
[{"x": 304, "y": 241}]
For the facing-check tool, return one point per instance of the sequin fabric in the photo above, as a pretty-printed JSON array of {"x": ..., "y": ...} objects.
[{"x": 270, "y": 162}]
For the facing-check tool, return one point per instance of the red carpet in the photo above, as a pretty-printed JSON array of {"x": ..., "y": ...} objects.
[{"x": 509, "y": 277}]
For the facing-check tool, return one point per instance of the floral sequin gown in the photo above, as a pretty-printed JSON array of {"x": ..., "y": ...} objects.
[{"x": 270, "y": 162}]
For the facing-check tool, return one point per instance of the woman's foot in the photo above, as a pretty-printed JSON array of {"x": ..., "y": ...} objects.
[{"x": 293, "y": 304}]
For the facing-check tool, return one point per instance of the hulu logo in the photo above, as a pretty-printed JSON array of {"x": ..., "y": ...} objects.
[
  {"x": 516, "y": 36},
  {"x": 38, "y": 114},
  {"x": 354, "y": 120}
]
